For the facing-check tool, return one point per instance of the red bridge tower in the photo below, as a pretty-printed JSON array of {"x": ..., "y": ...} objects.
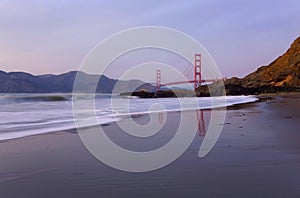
[
  {"x": 158, "y": 79},
  {"x": 197, "y": 71}
]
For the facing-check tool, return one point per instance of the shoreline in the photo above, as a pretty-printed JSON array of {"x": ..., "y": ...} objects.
[
  {"x": 28, "y": 134},
  {"x": 257, "y": 154},
  {"x": 261, "y": 98}
]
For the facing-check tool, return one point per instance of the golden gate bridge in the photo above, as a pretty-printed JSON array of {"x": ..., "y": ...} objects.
[{"x": 197, "y": 81}]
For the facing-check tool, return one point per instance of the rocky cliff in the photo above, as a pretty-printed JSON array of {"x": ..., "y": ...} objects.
[
  {"x": 283, "y": 72},
  {"x": 282, "y": 75}
]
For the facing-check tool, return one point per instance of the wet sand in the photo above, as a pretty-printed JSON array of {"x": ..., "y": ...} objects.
[{"x": 257, "y": 155}]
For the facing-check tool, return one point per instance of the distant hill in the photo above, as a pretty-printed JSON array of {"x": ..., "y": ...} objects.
[
  {"x": 20, "y": 82},
  {"x": 282, "y": 75}
]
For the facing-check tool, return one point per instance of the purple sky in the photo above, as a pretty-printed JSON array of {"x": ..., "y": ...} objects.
[{"x": 54, "y": 36}]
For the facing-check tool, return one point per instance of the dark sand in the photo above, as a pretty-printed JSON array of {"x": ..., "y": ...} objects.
[{"x": 257, "y": 155}]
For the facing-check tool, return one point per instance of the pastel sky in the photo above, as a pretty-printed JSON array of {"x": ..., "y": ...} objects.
[{"x": 54, "y": 36}]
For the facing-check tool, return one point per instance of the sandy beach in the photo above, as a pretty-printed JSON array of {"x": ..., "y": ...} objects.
[{"x": 257, "y": 155}]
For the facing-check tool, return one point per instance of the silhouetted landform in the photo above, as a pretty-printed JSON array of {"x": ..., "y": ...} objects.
[
  {"x": 160, "y": 94},
  {"x": 20, "y": 82},
  {"x": 282, "y": 75},
  {"x": 147, "y": 94}
]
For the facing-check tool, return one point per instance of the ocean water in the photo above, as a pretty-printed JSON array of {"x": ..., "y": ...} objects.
[{"x": 30, "y": 114}]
